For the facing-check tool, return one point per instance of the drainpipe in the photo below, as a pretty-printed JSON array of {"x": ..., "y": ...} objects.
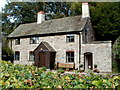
[{"x": 80, "y": 42}]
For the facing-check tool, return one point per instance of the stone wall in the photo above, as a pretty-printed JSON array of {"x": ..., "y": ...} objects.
[
  {"x": 58, "y": 42},
  {"x": 101, "y": 55}
]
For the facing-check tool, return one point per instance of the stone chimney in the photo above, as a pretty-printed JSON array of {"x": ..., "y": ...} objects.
[
  {"x": 40, "y": 17},
  {"x": 85, "y": 10}
]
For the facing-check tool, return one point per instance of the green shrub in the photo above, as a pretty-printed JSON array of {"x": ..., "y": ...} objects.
[
  {"x": 20, "y": 76},
  {"x": 116, "y": 55}
]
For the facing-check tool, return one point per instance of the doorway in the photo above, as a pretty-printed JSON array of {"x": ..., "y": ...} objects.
[
  {"x": 44, "y": 56},
  {"x": 88, "y": 61}
]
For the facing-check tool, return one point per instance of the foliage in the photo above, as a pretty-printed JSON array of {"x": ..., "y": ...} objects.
[
  {"x": 115, "y": 67},
  {"x": 16, "y": 13},
  {"x": 116, "y": 53},
  {"x": 116, "y": 49},
  {"x": 20, "y": 76},
  {"x": 7, "y": 51},
  {"x": 105, "y": 17},
  {"x": 95, "y": 65}
]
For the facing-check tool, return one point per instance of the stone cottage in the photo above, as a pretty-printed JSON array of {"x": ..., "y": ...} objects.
[{"x": 66, "y": 40}]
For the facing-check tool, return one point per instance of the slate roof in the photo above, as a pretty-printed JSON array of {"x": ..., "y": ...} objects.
[{"x": 67, "y": 24}]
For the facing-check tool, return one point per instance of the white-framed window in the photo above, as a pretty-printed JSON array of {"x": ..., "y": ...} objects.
[
  {"x": 34, "y": 40},
  {"x": 31, "y": 56},
  {"x": 17, "y": 41},
  {"x": 70, "y": 38},
  {"x": 17, "y": 55},
  {"x": 70, "y": 56}
]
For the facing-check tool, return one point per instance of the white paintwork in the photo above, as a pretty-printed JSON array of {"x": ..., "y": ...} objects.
[
  {"x": 85, "y": 10},
  {"x": 40, "y": 18}
]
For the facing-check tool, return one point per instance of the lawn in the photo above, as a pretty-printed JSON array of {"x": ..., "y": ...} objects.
[{"x": 20, "y": 76}]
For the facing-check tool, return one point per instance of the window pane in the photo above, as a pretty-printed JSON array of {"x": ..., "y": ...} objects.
[
  {"x": 69, "y": 56},
  {"x": 17, "y": 55},
  {"x": 34, "y": 40},
  {"x": 31, "y": 56},
  {"x": 17, "y": 41},
  {"x": 70, "y": 38}
]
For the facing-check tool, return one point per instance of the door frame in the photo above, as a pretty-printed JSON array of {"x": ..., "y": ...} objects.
[{"x": 88, "y": 60}]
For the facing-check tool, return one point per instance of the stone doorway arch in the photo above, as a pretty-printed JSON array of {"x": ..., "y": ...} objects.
[{"x": 88, "y": 60}]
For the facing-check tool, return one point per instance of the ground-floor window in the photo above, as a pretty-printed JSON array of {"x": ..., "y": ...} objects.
[
  {"x": 31, "y": 56},
  {"x": 17, "y": 55},
  {"x": 70, "y": 56}
]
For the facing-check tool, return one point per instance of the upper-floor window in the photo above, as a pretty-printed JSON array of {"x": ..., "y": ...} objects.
[
  {"x": 17, "y": 41},
  {"x": 31, "y": 56},
  {"x": 70, "y": 38},
  {"x": 17, "y": 55},
  {"x": 34, "y": 40},
  {"x": 70, "y": 56}
]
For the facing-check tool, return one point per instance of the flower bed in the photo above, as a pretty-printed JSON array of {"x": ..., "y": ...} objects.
[{"x": 20, "y": 76}]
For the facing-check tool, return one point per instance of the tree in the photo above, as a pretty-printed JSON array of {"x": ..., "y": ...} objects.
[
  {"x": 106, "y": 20},
  {"x": 7, "y": 53},
  {"x": 105, "y": 17},
  {"x": 17, "y": 13},
  {"x": 116, "y": 53}
]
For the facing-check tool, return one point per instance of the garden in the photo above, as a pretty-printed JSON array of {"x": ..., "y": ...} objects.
[{"x": 21, "y": 76}]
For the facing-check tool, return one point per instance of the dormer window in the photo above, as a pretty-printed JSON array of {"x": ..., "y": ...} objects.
[
  {"x": 34, "y": 40},
  {"x": 70, "y": 38},
  {"x": 17, "y": 41}
]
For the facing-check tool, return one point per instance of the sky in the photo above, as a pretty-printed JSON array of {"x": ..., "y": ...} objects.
[{"x": 2, "y": 3}]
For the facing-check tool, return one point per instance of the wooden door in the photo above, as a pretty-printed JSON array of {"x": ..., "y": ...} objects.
[{"x": 42, "y": 59}]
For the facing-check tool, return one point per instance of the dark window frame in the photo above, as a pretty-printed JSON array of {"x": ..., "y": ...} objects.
[
  {"x": 70, "y": 38},
  {"x": 70, "y": 56},
  {"x": 31, "y": 55},
  {"x": 17, "y": 41},
  {"x": 34, "y": 40},
  {"x": 17, "y": 55}
]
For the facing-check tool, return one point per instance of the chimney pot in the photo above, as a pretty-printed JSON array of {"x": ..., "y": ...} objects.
[{"x": 41, "y": 12}]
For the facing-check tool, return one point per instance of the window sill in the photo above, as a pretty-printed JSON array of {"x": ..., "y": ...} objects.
[
  {"x": 17, "y": 44},
  {"x": 31, "y": 60},
  {"x": 70, "y": 42},
  {"x": 70, "y": 62},
  {"x": 33, "y": 43}
]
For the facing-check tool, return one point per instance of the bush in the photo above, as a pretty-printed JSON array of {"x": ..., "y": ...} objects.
[
  {"x": 20, "y": 76},
  {"x": 116, "y": 55}
]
